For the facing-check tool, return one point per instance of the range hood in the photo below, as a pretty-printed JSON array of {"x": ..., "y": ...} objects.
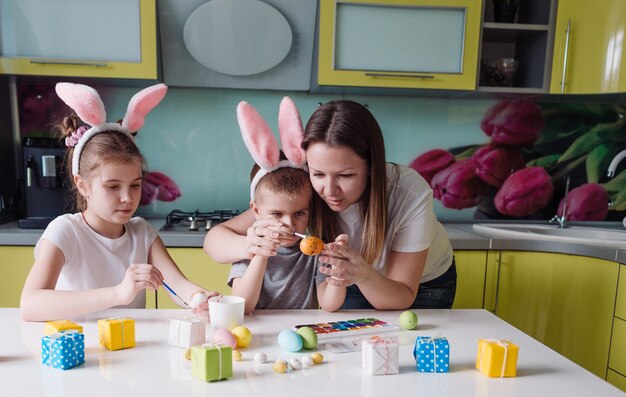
[{"x": 249, "y": 44}]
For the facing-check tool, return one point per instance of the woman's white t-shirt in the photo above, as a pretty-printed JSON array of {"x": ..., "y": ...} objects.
[
  {"x": 411, "y": 226},
  {"x": 94, "y": 261}
]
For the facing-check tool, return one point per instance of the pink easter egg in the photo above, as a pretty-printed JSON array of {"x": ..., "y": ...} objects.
[{"x": 222, "y": 336}]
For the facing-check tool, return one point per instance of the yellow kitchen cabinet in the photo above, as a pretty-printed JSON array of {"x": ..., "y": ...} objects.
[
  {"x": 399, "y": 43},
  {"x": 197, "y": 267},
  {"x": 620, "y": 304},
  {"x": 470, "y": 269},
  {"x": 96, "y": 38},
  {"x": 564, "y": 301},
  {"x": 617, "y": 380},
  {"x": 15, "y": 263},
  {"x": 617, "y": 358},
  {"x": 589, "y": 47}
]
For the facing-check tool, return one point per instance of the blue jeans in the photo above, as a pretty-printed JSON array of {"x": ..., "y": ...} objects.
[{"x": 434, "y": 294}]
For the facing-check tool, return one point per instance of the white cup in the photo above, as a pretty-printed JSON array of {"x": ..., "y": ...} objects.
[{"x": 226, "y": 311}]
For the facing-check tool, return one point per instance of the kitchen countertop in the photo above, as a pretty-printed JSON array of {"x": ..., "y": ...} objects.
[
  {"x": 461, "y": 236},
  {"x": 154, "y": 368}
]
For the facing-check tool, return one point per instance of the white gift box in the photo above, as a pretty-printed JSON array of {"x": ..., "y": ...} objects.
[
  {"x": 187, "y": 332},
  {"x": 380, "y": 356}
]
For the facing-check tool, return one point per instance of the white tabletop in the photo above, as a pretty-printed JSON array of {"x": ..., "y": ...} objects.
[{"x": 154, "y": 368}]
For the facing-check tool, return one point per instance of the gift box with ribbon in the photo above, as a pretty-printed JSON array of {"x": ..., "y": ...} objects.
[
  {"x": 63, "y": 350},
  {"x": 116, "y": 333},
  {"x": 54, "y": 327},
  {"x": 210, "y": 362},
  {"x": 497, "y": 358},
  {"x": 187, "y": 332},
  {"x": 432, "y": 354},
  {"x": 380, "y": 356}
]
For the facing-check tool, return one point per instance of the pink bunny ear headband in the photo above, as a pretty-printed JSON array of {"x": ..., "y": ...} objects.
[
  {"x": 87, "y": 104},
  {"x": 262, "y": 144}
]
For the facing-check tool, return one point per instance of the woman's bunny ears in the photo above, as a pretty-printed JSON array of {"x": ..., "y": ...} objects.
[
  {"x": 87, "y": 104},
  {"x": 262, "y": 144}
]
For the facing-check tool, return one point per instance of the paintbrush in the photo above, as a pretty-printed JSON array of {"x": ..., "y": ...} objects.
[{"x": 174, "y": 293}]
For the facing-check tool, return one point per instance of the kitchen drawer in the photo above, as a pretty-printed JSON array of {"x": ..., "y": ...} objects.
[
  {"x": 620, "y": 306},
  {"x": 617, "y": 358},
  {"x": 617, "y": 380}
]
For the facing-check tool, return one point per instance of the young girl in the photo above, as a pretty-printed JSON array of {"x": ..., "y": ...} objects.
[
  {"x": 280, "y": 191},
  {"x": 101, "y": 257}
]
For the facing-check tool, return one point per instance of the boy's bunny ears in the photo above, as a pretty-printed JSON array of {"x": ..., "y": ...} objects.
[
  {"x": 262, "y": 144},
  {"x": 86, "y": 102}
]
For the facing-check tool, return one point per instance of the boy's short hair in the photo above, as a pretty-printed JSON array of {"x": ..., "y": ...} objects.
[{"x": 287, "y": 180}]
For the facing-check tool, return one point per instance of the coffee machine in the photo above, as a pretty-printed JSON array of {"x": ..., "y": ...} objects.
[{"x": 46, "y": 186}]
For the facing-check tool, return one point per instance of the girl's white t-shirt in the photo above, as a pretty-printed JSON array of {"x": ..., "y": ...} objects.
[
  {"x": 411, "y": 227},
  {"x": 94, "y": 261}
]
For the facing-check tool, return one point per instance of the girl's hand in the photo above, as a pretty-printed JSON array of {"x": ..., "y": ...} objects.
[
  {"x": 345, "y": 265},
  {"x": 137, "y": 278},
  {"x": 202, "y": 310},
  {"x": 264, "y": 237}
]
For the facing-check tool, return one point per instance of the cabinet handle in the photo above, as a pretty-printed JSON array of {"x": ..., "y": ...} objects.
[
  {"x": 75, "y": 63},
  {"x": 567, "y": 33},
  {"x": 413, "y": 76}
]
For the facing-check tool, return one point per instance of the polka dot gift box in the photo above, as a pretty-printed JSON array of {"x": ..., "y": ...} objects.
[
  {"x": 432, "y": 354},
  {"x": 64, "y": 350}
]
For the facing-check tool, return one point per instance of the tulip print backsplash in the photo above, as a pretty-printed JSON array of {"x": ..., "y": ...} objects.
[{"x": 483, "y": 158}]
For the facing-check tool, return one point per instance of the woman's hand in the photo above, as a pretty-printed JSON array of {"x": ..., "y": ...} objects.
[
  {"x": 345, "y": 266},
  {"x": 264, "y": 237},
  {"x": 137, "y": 278},
  {"x": 202, "y": 310}
]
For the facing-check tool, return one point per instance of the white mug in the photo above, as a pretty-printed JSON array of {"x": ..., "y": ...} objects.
[{"x": 226, "y": 311}]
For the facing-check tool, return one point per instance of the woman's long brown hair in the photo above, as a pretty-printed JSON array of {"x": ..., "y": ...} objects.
[{"x": 350, "y": 124}]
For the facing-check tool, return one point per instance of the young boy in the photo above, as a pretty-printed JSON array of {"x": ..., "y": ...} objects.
[{"x": 286, "y": 280}]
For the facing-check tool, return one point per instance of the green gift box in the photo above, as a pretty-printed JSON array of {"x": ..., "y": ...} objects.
[{"x": 211, "y": 362}]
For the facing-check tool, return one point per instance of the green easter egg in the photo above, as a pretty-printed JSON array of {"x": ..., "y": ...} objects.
[
  {"x": 309, "y": 337},
  {"x": 408, "y": 320}
]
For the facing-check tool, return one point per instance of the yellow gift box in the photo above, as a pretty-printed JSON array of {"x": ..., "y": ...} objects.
[
  {"x": 117, "y": 333},
  {"x": 497, "y": 358},
  {"x": 54, "y": 327}
]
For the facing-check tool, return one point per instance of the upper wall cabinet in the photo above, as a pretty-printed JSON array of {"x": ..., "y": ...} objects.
[
  {"x": 516, "y": 46},
  {"x": 96, "y": 38},
  {"x": 430, "y": 44},
  {"x": 589, "y": 47}
]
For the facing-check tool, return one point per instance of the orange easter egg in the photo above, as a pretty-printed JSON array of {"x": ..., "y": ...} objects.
[{"x": 311, "y": 245}]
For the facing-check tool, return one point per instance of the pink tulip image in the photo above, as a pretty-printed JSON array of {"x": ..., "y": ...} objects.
[
  {"x": 588, "y": 202},
  {"x": 495, "y": 163},
  {"x": 524, "y": 192},
  {"x": 431, "y": 162},
  {"x": 513, "y": 123},
  {"x": 458, "y": 186},
  {"x": 160, "y": 186}
]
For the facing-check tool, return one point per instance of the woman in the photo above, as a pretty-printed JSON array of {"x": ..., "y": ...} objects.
[{"x": 388, "y": 251}]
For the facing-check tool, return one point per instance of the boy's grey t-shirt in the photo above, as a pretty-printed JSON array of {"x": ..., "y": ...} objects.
[{"x": 289, "y": 280}]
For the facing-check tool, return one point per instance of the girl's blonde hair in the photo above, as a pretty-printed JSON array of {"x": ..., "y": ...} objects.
[
  {"x": 103, "y": 148},
  {"x": 349, "y": 124}
]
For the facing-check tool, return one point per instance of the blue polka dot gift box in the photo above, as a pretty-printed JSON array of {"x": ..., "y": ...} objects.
[
  {"x": 432, "y": 354},
  {"x": 63, "y": 350}
]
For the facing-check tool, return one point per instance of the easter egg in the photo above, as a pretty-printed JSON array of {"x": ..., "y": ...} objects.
[
  {"x": 280, "y": 366},
  {"x": 307, "y": 361},
  {"x": 311, "y": 245},
  {"x": 289, "y": 340},
  {"x": 197, "y": 298},
  {"x": 237, "y": 355},
  {"x": 242, "y": 335},
  {"x": 408, "y": 320},
  {"x": 260, "y": 357},
  {"x": 309, "y": 337},
  {"x": 222, "y": 336},
  {"x": 295, "y": 364},
  {"x": 317, "y": 357}
]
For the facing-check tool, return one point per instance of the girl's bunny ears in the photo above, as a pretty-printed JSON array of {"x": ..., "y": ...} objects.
[
  {"x": 262, "y": 144},
  {"x": 86, "y": 102}
]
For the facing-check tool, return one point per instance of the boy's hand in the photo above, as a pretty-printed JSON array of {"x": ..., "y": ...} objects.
[
  {"x": 138, "y": 277},
  {"x": 264, "y": 237}
]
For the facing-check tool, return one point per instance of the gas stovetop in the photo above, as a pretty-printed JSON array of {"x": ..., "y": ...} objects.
[{"x": 180, "y": 221}]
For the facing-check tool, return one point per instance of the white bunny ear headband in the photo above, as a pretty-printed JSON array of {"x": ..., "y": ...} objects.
[
  {"x": 262, "y": 144},
  {"x": 87, "y": 104}
]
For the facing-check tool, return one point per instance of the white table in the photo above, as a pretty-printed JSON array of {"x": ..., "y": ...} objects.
[{"x": 153, "y": 368}]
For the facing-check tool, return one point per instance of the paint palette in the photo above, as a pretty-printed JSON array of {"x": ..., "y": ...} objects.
[{"x": 348, "y": 328}]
